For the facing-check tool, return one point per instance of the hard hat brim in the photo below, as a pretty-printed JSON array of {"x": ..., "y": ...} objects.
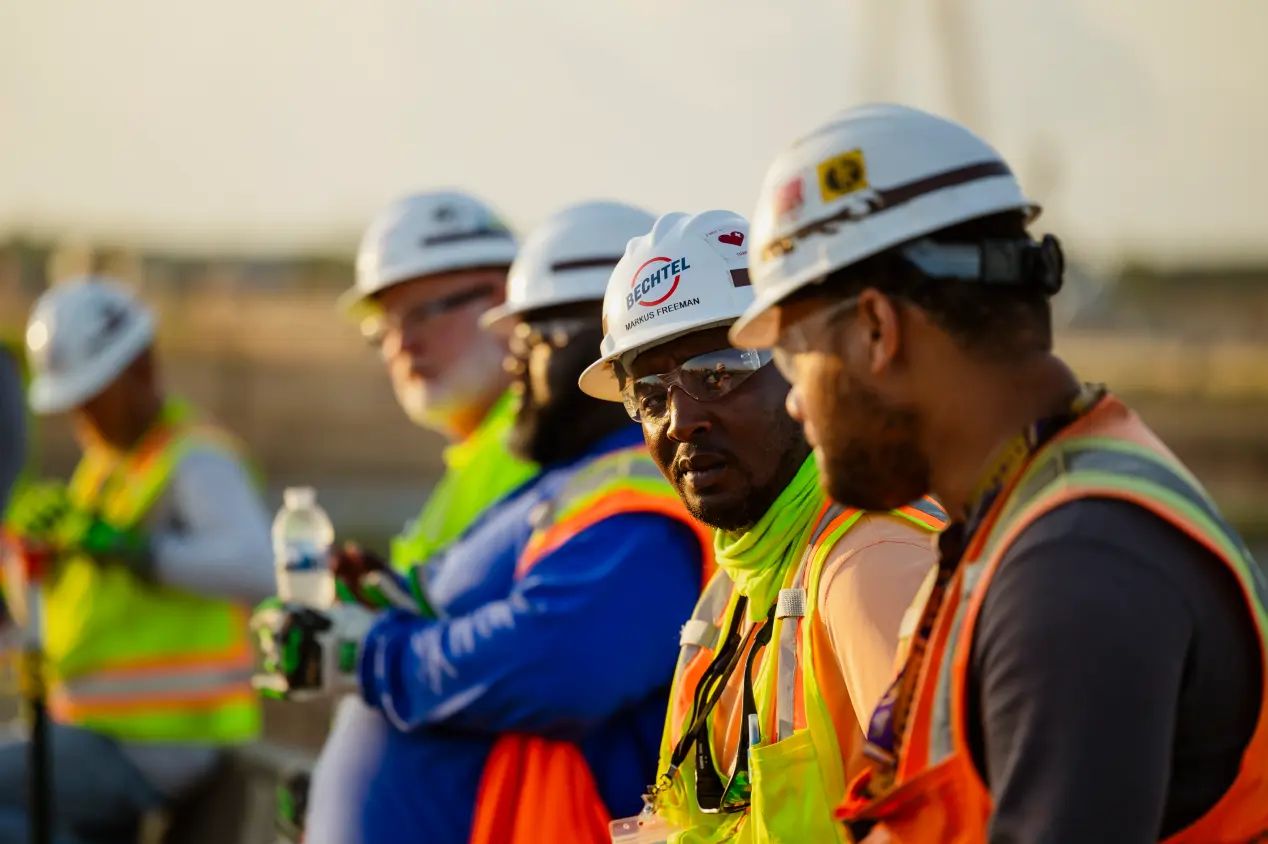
[
  {"x": 757, "y": 328},
  {"x": 599, "y": 381}
]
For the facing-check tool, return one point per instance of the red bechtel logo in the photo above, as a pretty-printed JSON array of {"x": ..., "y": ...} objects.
[{"x": 649, "y": 278}]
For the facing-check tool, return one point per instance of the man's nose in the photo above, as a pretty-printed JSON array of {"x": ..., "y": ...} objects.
[{"x": 687, "y": 417}]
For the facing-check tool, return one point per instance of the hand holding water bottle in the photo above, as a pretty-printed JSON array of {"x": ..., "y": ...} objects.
[{"x": 308, "y": 643}]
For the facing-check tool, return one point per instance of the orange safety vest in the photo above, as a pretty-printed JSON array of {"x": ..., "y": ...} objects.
[
  {"x": 541, "y": 790},
  {"x": 937, "y": 794}
]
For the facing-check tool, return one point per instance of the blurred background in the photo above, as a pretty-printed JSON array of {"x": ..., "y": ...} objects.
[{"x": 223, "y": 157}]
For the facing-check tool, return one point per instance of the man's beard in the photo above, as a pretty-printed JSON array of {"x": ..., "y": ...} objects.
[
  {"x": 748, "y": 502},
  {"x": 550, "y": 432},
  {"x": 869, "y": 452}
]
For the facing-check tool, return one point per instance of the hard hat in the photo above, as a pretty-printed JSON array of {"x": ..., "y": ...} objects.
[
  {"x": 876, "y": 177},
  {"x": 81, "y": 335},
  {"x": 426, "y": 234},
  {"x": 568, "y": 259},
  {"x": 689, "y": 273}
]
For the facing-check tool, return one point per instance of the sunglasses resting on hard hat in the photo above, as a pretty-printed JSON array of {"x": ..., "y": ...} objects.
[{"x": 705, "y": 377}]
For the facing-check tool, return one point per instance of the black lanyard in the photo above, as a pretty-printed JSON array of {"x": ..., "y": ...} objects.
[{"x": 710, "y": 791}]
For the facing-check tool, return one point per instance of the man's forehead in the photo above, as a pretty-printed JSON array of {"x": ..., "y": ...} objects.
[{"x": 672, "y": 353}]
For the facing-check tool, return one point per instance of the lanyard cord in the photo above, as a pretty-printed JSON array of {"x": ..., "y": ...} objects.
[
  {"x": 710, "y": 791},
  {"x": 709, "y": 693}
]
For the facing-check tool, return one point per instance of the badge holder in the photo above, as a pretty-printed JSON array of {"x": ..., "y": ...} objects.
[{"x": 643, "y": 828}]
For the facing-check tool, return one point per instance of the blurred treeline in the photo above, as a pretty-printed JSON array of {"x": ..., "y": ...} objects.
[{"x": 259, "y": 344}]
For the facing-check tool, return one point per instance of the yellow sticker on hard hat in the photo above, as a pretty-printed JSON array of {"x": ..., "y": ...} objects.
[{"x": 842, "y": 174}]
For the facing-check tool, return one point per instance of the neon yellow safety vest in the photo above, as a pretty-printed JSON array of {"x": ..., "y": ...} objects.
[
  {"x": 797, "y": 778},
  {"x": 134, "y": 660},
  {"x": 478, "y": 472}
]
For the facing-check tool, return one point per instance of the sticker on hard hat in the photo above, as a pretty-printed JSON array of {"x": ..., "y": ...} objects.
[
  {"x": 650, "y": 279},
  {"x": 842, "y": 174},
  {"x": 789, "y": 198}
]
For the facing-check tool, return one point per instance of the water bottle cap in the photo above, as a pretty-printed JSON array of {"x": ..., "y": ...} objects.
[{"x": 299, "y": 497}]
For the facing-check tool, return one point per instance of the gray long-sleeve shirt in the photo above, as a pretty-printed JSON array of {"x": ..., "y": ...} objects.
[{"x": 209, "y": 532}]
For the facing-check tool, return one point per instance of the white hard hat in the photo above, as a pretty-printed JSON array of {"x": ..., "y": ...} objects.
[
  {"x": 876, "y": 177},
  {"x": 427, "y": 234},
  {"x": 689, "y": 273},
  {"x": 81, "y": 335},
  {"x": 568, "y": 259}
]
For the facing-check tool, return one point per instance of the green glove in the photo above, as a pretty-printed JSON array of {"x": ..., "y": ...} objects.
[
  {"x": 38, "y": 510},
  {"x": 92, "y": 536},
  {"x": 305, "y": 652}
]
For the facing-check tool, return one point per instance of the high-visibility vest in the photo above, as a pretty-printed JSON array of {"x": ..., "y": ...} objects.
[
  {"x": 479, "y": 471},
  {"x": 797, "y": 775},
  {"x": 134, "y": 660},
  {"x": 937, "y": 794},
  {"x": 534, "y": 789}
]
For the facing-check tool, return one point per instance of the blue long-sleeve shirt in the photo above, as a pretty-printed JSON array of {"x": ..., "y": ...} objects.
[{"x": 581, "y": 648}]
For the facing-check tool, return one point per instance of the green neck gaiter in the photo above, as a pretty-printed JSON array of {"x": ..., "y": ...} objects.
[{"x": 758, "y": 559}]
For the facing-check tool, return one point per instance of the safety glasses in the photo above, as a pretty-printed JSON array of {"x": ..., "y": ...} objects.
[
  {"x": 375, "y": 328},
  {"x": 556, "y": 333},
  {"x": 799, "y": 337},
  {"x": 706, "y": 377}
]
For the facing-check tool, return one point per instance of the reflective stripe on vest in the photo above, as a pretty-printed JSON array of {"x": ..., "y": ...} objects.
[
  {"x": 789, "y": 704},
  {"x": 939, "y": 794},
  {"x": 136, "y": 660}
]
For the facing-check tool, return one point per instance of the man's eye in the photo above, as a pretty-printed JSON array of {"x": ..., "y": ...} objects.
[{"x": 651, "y": 402}]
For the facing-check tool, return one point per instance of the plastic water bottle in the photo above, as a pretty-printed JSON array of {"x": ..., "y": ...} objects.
[{"x": 302, "y": 534}]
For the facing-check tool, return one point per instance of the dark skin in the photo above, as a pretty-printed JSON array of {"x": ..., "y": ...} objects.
[
  {"x": 121, "y": 414},
  {"x": 555, "y": 420},
  {"x": 728, "y": 459},
  {"x": 895, "y": 407}
]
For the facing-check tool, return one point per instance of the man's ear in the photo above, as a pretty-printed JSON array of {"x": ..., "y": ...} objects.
[{"x": 880, "y": 332}]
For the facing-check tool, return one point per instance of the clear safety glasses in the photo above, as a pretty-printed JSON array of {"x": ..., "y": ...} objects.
[
  {"x": 798, "y": 338},
  {"x": 555, "y": 333},
  {"x": 705, "y": 377},
  {"x": 375, "y": 328}
]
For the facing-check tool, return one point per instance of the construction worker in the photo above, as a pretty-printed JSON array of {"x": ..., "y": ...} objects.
[
  {"x": 1091, "y": 664},
  {"x": 427, "y": 267},
  {"x": 543, "y": 639},
  {"x": 794, "y": 639},
  {"x": 159, "y": 539}
]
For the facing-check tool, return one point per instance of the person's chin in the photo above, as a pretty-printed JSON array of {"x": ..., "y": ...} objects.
[{"x": 724, "y": 509}]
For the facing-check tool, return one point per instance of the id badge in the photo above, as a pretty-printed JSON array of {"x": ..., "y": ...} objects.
[{"x": 644, "y": 828}]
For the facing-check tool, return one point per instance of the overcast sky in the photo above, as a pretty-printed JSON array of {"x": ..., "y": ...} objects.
[{"x": 283, "y": 124}]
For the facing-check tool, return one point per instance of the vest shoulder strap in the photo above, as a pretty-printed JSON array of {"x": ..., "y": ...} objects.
[{"x": 1090, "y": 467}]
